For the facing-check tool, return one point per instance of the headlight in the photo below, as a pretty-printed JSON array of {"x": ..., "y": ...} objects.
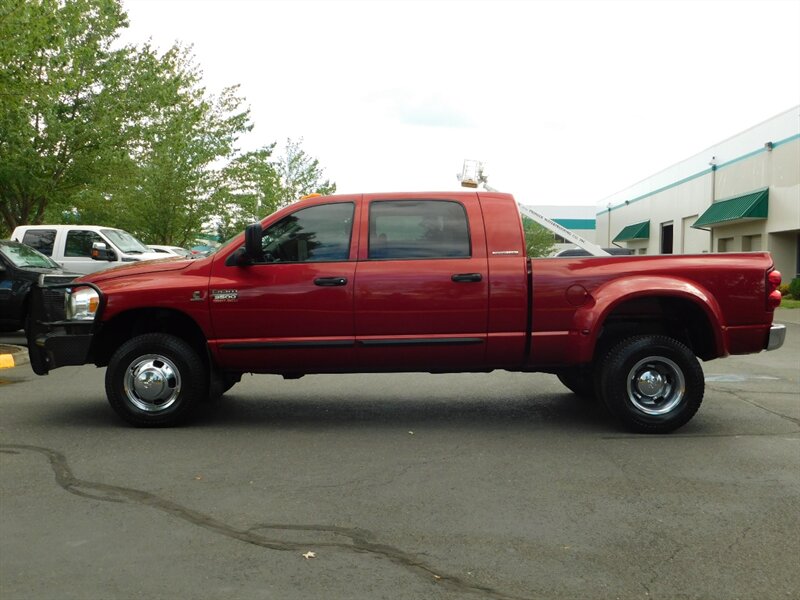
[{"x": 82, "y": 304}]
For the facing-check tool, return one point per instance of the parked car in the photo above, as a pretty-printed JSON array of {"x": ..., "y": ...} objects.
[
  {"x": 170, "y": 250},
  {"x": 20, "y": 267},
  {"x": 71, "y": 246},
  {"x": 202, "y": 250}
]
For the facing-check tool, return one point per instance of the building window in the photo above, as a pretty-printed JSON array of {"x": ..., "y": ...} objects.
[
  {"x": 666, "y": 238},
  {"x": 751, "y": 243},
  {"x": 642, "y": 250},
  {"x": 725, "y": 244}
]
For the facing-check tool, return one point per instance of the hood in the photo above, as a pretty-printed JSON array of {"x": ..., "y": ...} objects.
[
  {"x": 138, "y": 268},
  {"x": 150, "y": 256}
]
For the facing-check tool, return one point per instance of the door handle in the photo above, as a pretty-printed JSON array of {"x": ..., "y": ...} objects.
[
  {"x": 330, "y": 281},
  {"x": 466, "y": 277}
]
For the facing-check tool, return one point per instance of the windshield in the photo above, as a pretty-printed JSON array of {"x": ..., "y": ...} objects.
[
  {"x": 25, "y": 256},
  {"x": 125, "y": 241}
]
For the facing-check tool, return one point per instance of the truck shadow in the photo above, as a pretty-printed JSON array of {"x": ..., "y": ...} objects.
[
  {"x": 552, "y": 411},
  {"x": 556, "y": 412}
]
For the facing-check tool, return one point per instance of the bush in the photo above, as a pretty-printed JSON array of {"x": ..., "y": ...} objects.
[
  {"x": 784, "y": 289},
  {"x": 794, "y": 289}
]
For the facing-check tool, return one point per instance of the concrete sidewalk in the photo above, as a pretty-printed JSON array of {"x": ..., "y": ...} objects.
[{"x": 787, "y": 315}]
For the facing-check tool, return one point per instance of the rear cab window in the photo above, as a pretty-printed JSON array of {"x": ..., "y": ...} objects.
[
  {"x": 418, "y": 229},
  {"x": 41, "y": 240}
]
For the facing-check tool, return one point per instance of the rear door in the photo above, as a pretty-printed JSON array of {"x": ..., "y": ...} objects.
[{"x": 421, "y": 293}]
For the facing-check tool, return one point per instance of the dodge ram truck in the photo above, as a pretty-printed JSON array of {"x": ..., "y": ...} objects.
[{"x": 421, "y": 282}]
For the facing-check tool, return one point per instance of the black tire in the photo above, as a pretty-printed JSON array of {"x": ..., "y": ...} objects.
[
  {"x": 155, "y": 379},
  {"x": 580, "y": 381},
  {"x": 652, "y": 383}
]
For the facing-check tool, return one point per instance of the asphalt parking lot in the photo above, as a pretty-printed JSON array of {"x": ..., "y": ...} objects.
[{"x": 498, "y": 485}]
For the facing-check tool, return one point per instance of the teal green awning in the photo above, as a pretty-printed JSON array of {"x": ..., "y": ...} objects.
[
  {"x": 749, "y": 207},
  {"x": 631, "y": 233}
]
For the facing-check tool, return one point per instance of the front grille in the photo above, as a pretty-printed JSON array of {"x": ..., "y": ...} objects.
[
  {"x": 53, "y": 297},
  {"x": 53, "y": 303}
]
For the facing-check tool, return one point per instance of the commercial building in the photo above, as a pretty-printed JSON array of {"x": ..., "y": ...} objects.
[{"x": 740, "y": 195}]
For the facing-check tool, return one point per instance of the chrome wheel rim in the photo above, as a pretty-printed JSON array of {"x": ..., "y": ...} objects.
[
  {"x": 656, "y": 385},
  {"x": 152, "y": 383}
]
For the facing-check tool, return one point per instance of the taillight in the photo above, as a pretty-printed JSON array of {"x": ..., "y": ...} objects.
[{"x": 773, "y": 294}]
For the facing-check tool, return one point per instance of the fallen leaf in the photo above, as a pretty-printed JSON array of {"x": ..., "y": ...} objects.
[{"x": 310, "y": 554}]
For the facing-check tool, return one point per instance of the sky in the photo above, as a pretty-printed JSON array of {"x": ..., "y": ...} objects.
[{"x": 565, "y": 102}]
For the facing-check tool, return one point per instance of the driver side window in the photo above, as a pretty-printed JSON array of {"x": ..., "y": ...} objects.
[{"x": 314, "y": 234}]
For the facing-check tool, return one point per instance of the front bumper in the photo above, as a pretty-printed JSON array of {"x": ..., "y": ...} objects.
[
  {"x": 54, "y": 341},
  {"x": 777, "y": 335}
]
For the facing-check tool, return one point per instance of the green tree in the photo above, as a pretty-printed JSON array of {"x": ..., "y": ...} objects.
[
  {"x": 171, "y": 196},
  {"x": 257, "y": 184},
  {"x": 538, "y": 240},
  {"x": 249, "y": 190},
  {"x": 70, "y": 105},
  {"x": 91, "y": 132},
  {"x": 300, "y": 174}
]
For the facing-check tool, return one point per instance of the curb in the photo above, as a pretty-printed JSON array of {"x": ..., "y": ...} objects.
[{"x": 13, "y": 356}]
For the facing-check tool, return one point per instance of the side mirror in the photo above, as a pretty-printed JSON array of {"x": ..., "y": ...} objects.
[
  {"x": 252, "y": 242},
  {"x": 102, "y": 252}
]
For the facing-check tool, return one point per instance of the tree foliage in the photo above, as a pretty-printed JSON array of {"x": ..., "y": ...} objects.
[
  {"x": 168, "y": 200},
  {"x": 64, "y": 116},
  {"x": 258, "y": 183},
  {"x": 248, "y": 191},
  {"x": 300, "y": 175},
  {"x": 95, "y": 132},
  {"x": 538, "y": 240}
]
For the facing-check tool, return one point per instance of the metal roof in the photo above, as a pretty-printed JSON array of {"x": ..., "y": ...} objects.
[
  {"x": 752, "y": 206},
  {"x": 637, "y": 231}
]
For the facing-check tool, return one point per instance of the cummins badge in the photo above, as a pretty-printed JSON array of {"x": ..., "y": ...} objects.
[{"x": 224, "y": 295}]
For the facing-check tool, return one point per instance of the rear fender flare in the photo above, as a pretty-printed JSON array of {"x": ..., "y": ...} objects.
[{"x": 589, "y": 319}]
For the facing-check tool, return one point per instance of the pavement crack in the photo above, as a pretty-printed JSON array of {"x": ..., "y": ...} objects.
[
  {"x": 736, "y": 394},
  {"x": 360, "y": 541}
]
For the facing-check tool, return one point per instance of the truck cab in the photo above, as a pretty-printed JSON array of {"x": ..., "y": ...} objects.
[{"x": 71, "y": 246}]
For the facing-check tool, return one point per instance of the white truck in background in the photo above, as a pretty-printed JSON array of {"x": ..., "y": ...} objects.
[{"x": 71, "y": 246}]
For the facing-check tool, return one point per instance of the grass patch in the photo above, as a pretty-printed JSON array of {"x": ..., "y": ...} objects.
[{"x": 789, "y": 303}]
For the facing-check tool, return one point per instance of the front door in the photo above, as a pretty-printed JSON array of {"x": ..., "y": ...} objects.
[{"x": 292, "y": 311}]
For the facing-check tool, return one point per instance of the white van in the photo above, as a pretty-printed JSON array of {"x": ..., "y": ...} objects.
[{"x": 71, "y": 245}]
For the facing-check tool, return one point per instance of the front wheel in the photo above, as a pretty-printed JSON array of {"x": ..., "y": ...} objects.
[
  {"x": 154, "y": 380},
  {"x": 652, "y": 383}
]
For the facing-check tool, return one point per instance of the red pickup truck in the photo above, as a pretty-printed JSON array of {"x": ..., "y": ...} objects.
[{"x": 429, "y": 282}]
